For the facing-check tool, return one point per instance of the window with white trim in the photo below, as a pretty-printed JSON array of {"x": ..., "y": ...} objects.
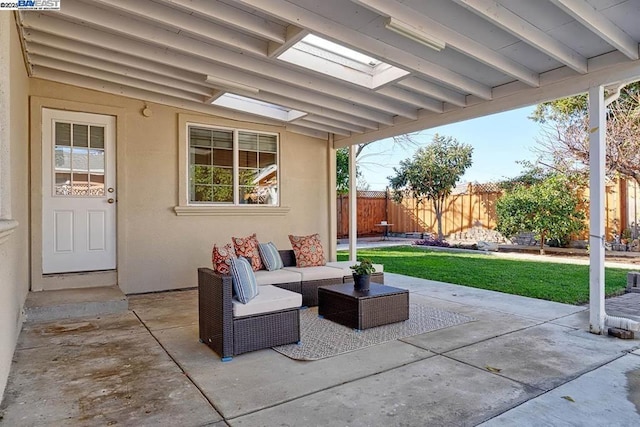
[{"x": 232, "y": 167}]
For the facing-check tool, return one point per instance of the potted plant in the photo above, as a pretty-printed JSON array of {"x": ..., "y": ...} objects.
[
  {"x": 625, "y": 237},
  {"x": 362, "y": 274}
]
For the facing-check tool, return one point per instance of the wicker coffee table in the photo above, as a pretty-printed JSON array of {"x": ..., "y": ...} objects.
[{"x": 380, "y": 305}]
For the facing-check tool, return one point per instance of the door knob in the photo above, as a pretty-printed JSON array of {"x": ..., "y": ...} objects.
[
  {"x": 110, "y": 189},
  {"x": 110, "y": 200}
]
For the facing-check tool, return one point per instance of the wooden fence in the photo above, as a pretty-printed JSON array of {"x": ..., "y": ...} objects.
[{"x": 474, "y": 206}]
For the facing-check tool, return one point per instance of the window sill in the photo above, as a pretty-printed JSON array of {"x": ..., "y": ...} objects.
[
  {"x": 231, "y": 210},
  {"x": 7, "y": 226}
]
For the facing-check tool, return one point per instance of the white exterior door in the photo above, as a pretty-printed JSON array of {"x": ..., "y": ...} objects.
[{"x": 78, "y": 192}]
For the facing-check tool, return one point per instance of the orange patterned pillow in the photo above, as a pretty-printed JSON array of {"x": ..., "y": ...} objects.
[
  {"x": 308, "y": 250},
  {"x": 248, "y": 248},
  {"x": 221, "y": 258}
]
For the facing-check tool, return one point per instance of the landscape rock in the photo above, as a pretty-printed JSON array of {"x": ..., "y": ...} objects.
[{"x": 487, "y": 246}]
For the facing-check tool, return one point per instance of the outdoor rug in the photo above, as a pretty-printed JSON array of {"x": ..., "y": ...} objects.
[{"x": 321, "y": 338}]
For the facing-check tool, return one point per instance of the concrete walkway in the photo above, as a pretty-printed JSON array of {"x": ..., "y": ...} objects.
[{"x": 522, "y": 362}]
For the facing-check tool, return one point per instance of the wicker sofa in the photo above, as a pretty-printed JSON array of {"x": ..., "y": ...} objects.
[{"x": 229, "y": 335}]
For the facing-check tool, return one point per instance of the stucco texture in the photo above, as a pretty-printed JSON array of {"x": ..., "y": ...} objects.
[
  {"x": 14, "y": 251},
  {"x": 159, "y": 250}
]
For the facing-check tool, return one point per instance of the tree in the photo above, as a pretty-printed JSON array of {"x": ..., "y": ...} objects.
[
  {"x": 342, "y": 162},
  {"x": 565, "y": 143},
  {"x": 548, "y": 208},
  {"x": 432, "y": 173},
  {"x": 342, "y": 173}
]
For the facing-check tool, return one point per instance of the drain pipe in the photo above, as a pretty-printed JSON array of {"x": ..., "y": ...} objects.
[
  {"x": 598, "y": 316},
  {"x": 615, "y": 95},
  {"x": 615, "y": 321},
  {"x": 621, "y": 323}
]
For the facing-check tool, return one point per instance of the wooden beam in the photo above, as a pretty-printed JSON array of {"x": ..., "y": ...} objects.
[
  {"x": 599, "y": 24},
  {"x": 117, "y": 43},
  {"x": 98, "y": 74},
  {"x": 605, "y": 70},
  {"x": 263, "y": 67},
  {"x": 234, "y": 17},
  {"x": 434, "y": 91},
  {"x": 412, "y": 98},
  {"x": 305, "y": 105},
  {"x": 38, "y": 52},
  {"x": 453, "y": 39},
  {"x": 318, "y": 126},
  {"x": 334, "y": 123},
  {"x": 179, "y": 21},
  {"x": 496, "y": 13},
  {"x": 357, "y": 40},
  {"x": 292, "y": 127},
  {"x": 136, "y": 93},
  {"x": 38, "y": 38},
  {"x": 294, "y": 35}
]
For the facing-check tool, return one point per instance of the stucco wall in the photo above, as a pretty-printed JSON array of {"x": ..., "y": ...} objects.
[
  {"x": 14, "y": 252},
  {"x": 159, "y": 250}
]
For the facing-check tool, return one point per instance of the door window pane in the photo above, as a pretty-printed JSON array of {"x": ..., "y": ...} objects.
[
  {"x": 79, "y": 160},
  {"x": 63, "y": 134},
  {"x": 96, "y": 161},
  {"x": 80, "y": 135},
  {"x": 62, "y": 158},
  {"x": 62, "y": 186},
  {"x": 80, "y": 182},
  {"x": 97, "y": 137},
  {"x": 96, "y": 185}
]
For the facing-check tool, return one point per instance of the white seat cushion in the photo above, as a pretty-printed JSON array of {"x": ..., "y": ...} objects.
[
  {"x": 317, "y": 273},
  {"x": 269, "y": 299},
  {"x": 264, "y": 277},
  {"x": 346, "y": 267}
]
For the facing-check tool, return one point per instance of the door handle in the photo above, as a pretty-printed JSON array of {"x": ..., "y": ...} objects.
[{"x": 111, "y": 200}]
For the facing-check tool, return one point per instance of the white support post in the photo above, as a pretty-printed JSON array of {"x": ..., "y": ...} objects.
[
  {"x": 333, "y": 195},
  {"x": 353, "y": 205},
  {"x": 597, "y": 146}
]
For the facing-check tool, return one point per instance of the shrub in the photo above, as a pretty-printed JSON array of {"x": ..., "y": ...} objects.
[{"x": 431, "y": 241}]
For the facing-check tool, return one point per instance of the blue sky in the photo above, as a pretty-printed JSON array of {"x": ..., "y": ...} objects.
[{"x": 497, "y": 140}]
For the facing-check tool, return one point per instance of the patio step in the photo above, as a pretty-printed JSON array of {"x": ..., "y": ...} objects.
[{"x": 46, "y": 306}]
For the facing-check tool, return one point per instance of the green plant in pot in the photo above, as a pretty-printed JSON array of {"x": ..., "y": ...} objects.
[{"x": 362, "y": 274}]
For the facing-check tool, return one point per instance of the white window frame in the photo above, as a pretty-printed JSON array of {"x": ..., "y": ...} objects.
[{"x": 186, "y": 207}]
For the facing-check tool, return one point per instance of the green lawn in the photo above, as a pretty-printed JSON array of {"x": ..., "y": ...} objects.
[{"x": 565, "y": 283}]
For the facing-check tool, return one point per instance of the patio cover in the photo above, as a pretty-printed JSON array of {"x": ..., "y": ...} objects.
[
  {"x": 429, "y": 62},
  {"x": 425, "y": 63}
]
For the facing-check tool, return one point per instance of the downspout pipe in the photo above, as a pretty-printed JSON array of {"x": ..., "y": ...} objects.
[
  {"x": 615, "y": 321},
  {"x": 615, "y": 95},
  {"x": 621, "y": 323},
  {"x": 597, "y": 148}
]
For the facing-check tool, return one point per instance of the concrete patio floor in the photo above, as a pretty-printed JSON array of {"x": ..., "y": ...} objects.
[{"x": 522, "y": 362}]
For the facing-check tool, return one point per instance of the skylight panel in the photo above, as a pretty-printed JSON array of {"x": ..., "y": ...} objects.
[
  {"x": 337, "y": 49},
  {"x": 255, "y": 106},
  {"x": 329, "y": 58}
]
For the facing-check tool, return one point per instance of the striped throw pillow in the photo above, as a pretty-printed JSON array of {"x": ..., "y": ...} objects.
[
  {"x": 270, "y": 256},
  {"x": 243, "y": 279}
]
